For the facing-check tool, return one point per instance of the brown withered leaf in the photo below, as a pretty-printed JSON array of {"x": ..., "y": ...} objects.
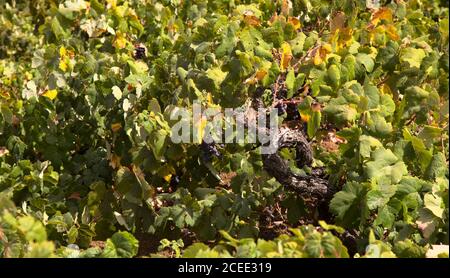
[
  {"x": 252, "y": 20},
  {"x": 331, "y": 141},
  {"x": 227, "y": 177},
  {"x": 115, "y": 161},
  {"x": 337, "y": 22}
]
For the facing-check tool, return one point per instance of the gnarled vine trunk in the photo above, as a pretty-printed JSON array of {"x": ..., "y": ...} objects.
[{"x": 312, "y": 185}]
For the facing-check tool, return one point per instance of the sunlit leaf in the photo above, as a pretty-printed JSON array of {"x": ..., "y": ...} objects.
[{"x": 51, "y": 94}]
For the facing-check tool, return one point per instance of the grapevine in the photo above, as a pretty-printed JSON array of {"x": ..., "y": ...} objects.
[{"x": 89, "y": 166}]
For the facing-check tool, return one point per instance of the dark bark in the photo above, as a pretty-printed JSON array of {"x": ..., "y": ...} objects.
[{"x": 312, "y": 185}]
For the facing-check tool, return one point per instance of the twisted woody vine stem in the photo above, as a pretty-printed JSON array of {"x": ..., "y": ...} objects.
[{"x": 312, "y": 185}]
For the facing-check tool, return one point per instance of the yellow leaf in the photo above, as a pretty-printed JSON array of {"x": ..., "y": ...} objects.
[
  {"x": 381, "y": 14},
  {"x": 111, "y": 3},
  {"x": 166, "y": 172},
  {"x": 317, "y": 59},
  {"x": 295, "y": 22},
  {"x": 116, "y": 127},
  {"x": 286, "y": 56},
  {"x": 28, "y": 75},
  {"x": 326, "y": 47},
  {"x": 62, "y": 51},
  {"x": 305, "y": 117},
  {"x": 51, "y": 94},
  {"x": 392, "y": 32},
  {"x": 63, "y": 65},
  {"x": 343, "y": 38},
  {"x": 120, "y": 41},
  {"x": 382, "y": 30},
  {"x": 121, "y": 10},
  {"x": 201, "y": 129},
  {"x": 210, "y": 101},
  {"x": 346, "y": 35},
  {"x": 258, "y": 76},
  {"x": 322, "y": 54},
  {"x": 167, "y": 177},
  {"x": 172, "y": 27}
]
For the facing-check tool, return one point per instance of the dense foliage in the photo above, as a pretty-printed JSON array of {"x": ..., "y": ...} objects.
[{"x": 87, "y": 167}]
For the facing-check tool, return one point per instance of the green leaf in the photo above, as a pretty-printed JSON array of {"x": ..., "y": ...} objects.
[
  {"x": 295, "y": 208},
  {"x": 346, "y": 203},
  {"x": 341, "y": 113},
  {"x": 387, "y": 105},
  {"x": 409, "y": 185},
  {"x": 385, "y": 217},
  {"x": 367, "y": 144},
  {"x": 426, "y": 222},
  {"x": 124, "y": 180},
  {"x": 137, "y": 67},
  {"x": 330, "y": 227},
  {"x": 32, "y": 229},
  {"x": 194, "y": 250},
  {"x": 72, "y": 235},
  {"x": 415, "y": 92},
  {"x": 412, "y": 56},
  {"x": 324, "y": 246},
  {"x": 379, "y": 249},
  {"x": 7, "y": 114},
  {"x": 372, "y": 94},
  {"x": 272, "y": 75},
  {"x": 314, "y": 123},
  {"x": 434, "y": 204},
  {"x": 365, "y": 60},
  {"x": 429, "y": 135},
  {"x": 44, "y": 249},
  {"x": 385, "y": 167},
  {"x": 297, "y": 43},
  {"x": 290, "y": 82},
  {"x": 216, "y": 75},
  {"x": 437, "y": 167},
  {"x": 377, "y": 125},
  {"x": 334, "y": 75},
  {"x": 121, "y": 245},
  {"x": 183, "y": 216},
  {"x": 379, "y": 197},
  {"x": 157, "y": 143},
  {"x": 425, "y": 156},
  {"x": 57, "y": 29}
]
